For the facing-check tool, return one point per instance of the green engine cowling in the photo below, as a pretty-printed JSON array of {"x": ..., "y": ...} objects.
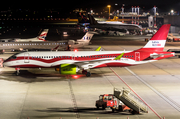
[{"x": 68, "y": 69}]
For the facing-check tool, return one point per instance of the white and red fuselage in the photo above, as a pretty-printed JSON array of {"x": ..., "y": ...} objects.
[
  {"x": 152, "y": 51},
  {"x": 88, "y": 59}
]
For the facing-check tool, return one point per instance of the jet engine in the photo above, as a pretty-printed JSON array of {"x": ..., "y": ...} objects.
[{"x": 67, "y": 69}]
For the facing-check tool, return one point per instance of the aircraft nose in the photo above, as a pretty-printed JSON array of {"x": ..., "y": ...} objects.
[
  {"x": 1, "y": 62},
  {"x": 5, "y": 63}
]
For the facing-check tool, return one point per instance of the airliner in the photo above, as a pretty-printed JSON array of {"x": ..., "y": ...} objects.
[
  {"x": 71, "y": 62},
  {"x": 40, "y": 38},
  {"x": 107, "y": 25},
  {"x": 48, "y": 45}
]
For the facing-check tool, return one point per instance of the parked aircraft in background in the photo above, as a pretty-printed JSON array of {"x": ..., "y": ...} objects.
[
  {"x": 70, "y": 62},
  {"x": 40, "y": 38},
  {"x": 106, "y": 25},
  {"x": 48, "y": 45}
]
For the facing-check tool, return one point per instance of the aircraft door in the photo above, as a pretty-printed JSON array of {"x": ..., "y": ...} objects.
[
  {"x": 137, "y": 56},
  {"x": 73, "y": 56},
  {"x": 26, "y": 57}
]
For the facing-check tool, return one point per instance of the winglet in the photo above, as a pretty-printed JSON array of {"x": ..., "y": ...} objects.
[
  {"x": 98, "y": 49},
  {"x": 119, "y": 57}
]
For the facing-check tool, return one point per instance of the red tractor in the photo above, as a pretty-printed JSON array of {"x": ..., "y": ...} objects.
[{"x": 107, "y": 101}]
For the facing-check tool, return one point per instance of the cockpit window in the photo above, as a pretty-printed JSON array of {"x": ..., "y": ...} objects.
[{"x": 13, "y": 57}]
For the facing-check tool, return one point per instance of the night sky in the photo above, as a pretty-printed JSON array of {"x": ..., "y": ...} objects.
[{"x": 69, "y": 5}]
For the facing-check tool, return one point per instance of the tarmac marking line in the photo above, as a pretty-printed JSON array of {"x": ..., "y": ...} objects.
[
  {"x": 135, "y": 93},
  {"x": 171, "y": 102},
  {"x": 73, "y": 99}
]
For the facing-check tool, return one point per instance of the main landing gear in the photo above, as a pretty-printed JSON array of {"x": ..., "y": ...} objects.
[
  {"x": 87, "y": 73},
  {"x": 17, "y": 71}
]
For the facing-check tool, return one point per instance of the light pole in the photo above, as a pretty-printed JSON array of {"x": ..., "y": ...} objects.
[
  {"x": 154, "y": 16},
  {"x": 132, "y": 14},
  {"x": 109, "y": 6},
  {"x": 122, "y": 14},
  {"x": 138, "y": 14}
]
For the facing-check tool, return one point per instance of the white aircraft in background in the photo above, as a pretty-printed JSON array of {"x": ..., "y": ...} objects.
[
  {"x": 70, "y": 62},
  {"x": 40, "y": 38},
  {"x": 48, "y": 45}
]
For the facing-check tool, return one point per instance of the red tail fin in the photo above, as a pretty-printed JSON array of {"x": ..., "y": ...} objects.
[
  {"x": 162, "y": 33},
  {"x": 157, "y": 42}
]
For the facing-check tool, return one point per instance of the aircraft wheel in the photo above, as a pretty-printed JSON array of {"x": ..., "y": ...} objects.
[
  {"x": 17, "y": 73},
  {"x": 97, "y": 106},
  {"x": 88, "y": 74}
]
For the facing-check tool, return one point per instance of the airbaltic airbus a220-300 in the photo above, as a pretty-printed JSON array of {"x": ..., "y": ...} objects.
[{"x": 70, "y": 62}]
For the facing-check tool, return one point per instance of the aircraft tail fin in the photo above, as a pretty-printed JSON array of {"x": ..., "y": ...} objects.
[
  {"x": 87, "y": 37},
  {"x": 157, "y": 42},
  {"x": 92, "y": 20},
  {"x": 43, "y": 35}
]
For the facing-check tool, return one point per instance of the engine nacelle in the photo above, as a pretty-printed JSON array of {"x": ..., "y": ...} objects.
[
  {"x": 71, "y": 42},
  {"x": 67, "y": 69}
]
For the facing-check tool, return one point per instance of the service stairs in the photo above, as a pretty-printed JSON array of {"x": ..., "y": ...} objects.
[{"x": 130, "y": 100}]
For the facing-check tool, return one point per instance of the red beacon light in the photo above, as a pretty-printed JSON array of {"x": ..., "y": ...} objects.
[
  {"x": 75, "y": 76},
  {"x": 75, "y": 50}
]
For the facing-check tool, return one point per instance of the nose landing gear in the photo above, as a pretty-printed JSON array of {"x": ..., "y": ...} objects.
[{"x": 17, "y": 71}]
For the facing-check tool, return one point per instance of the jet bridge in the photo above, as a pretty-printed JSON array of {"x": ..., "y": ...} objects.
[{"x": 130, "y": 100}]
